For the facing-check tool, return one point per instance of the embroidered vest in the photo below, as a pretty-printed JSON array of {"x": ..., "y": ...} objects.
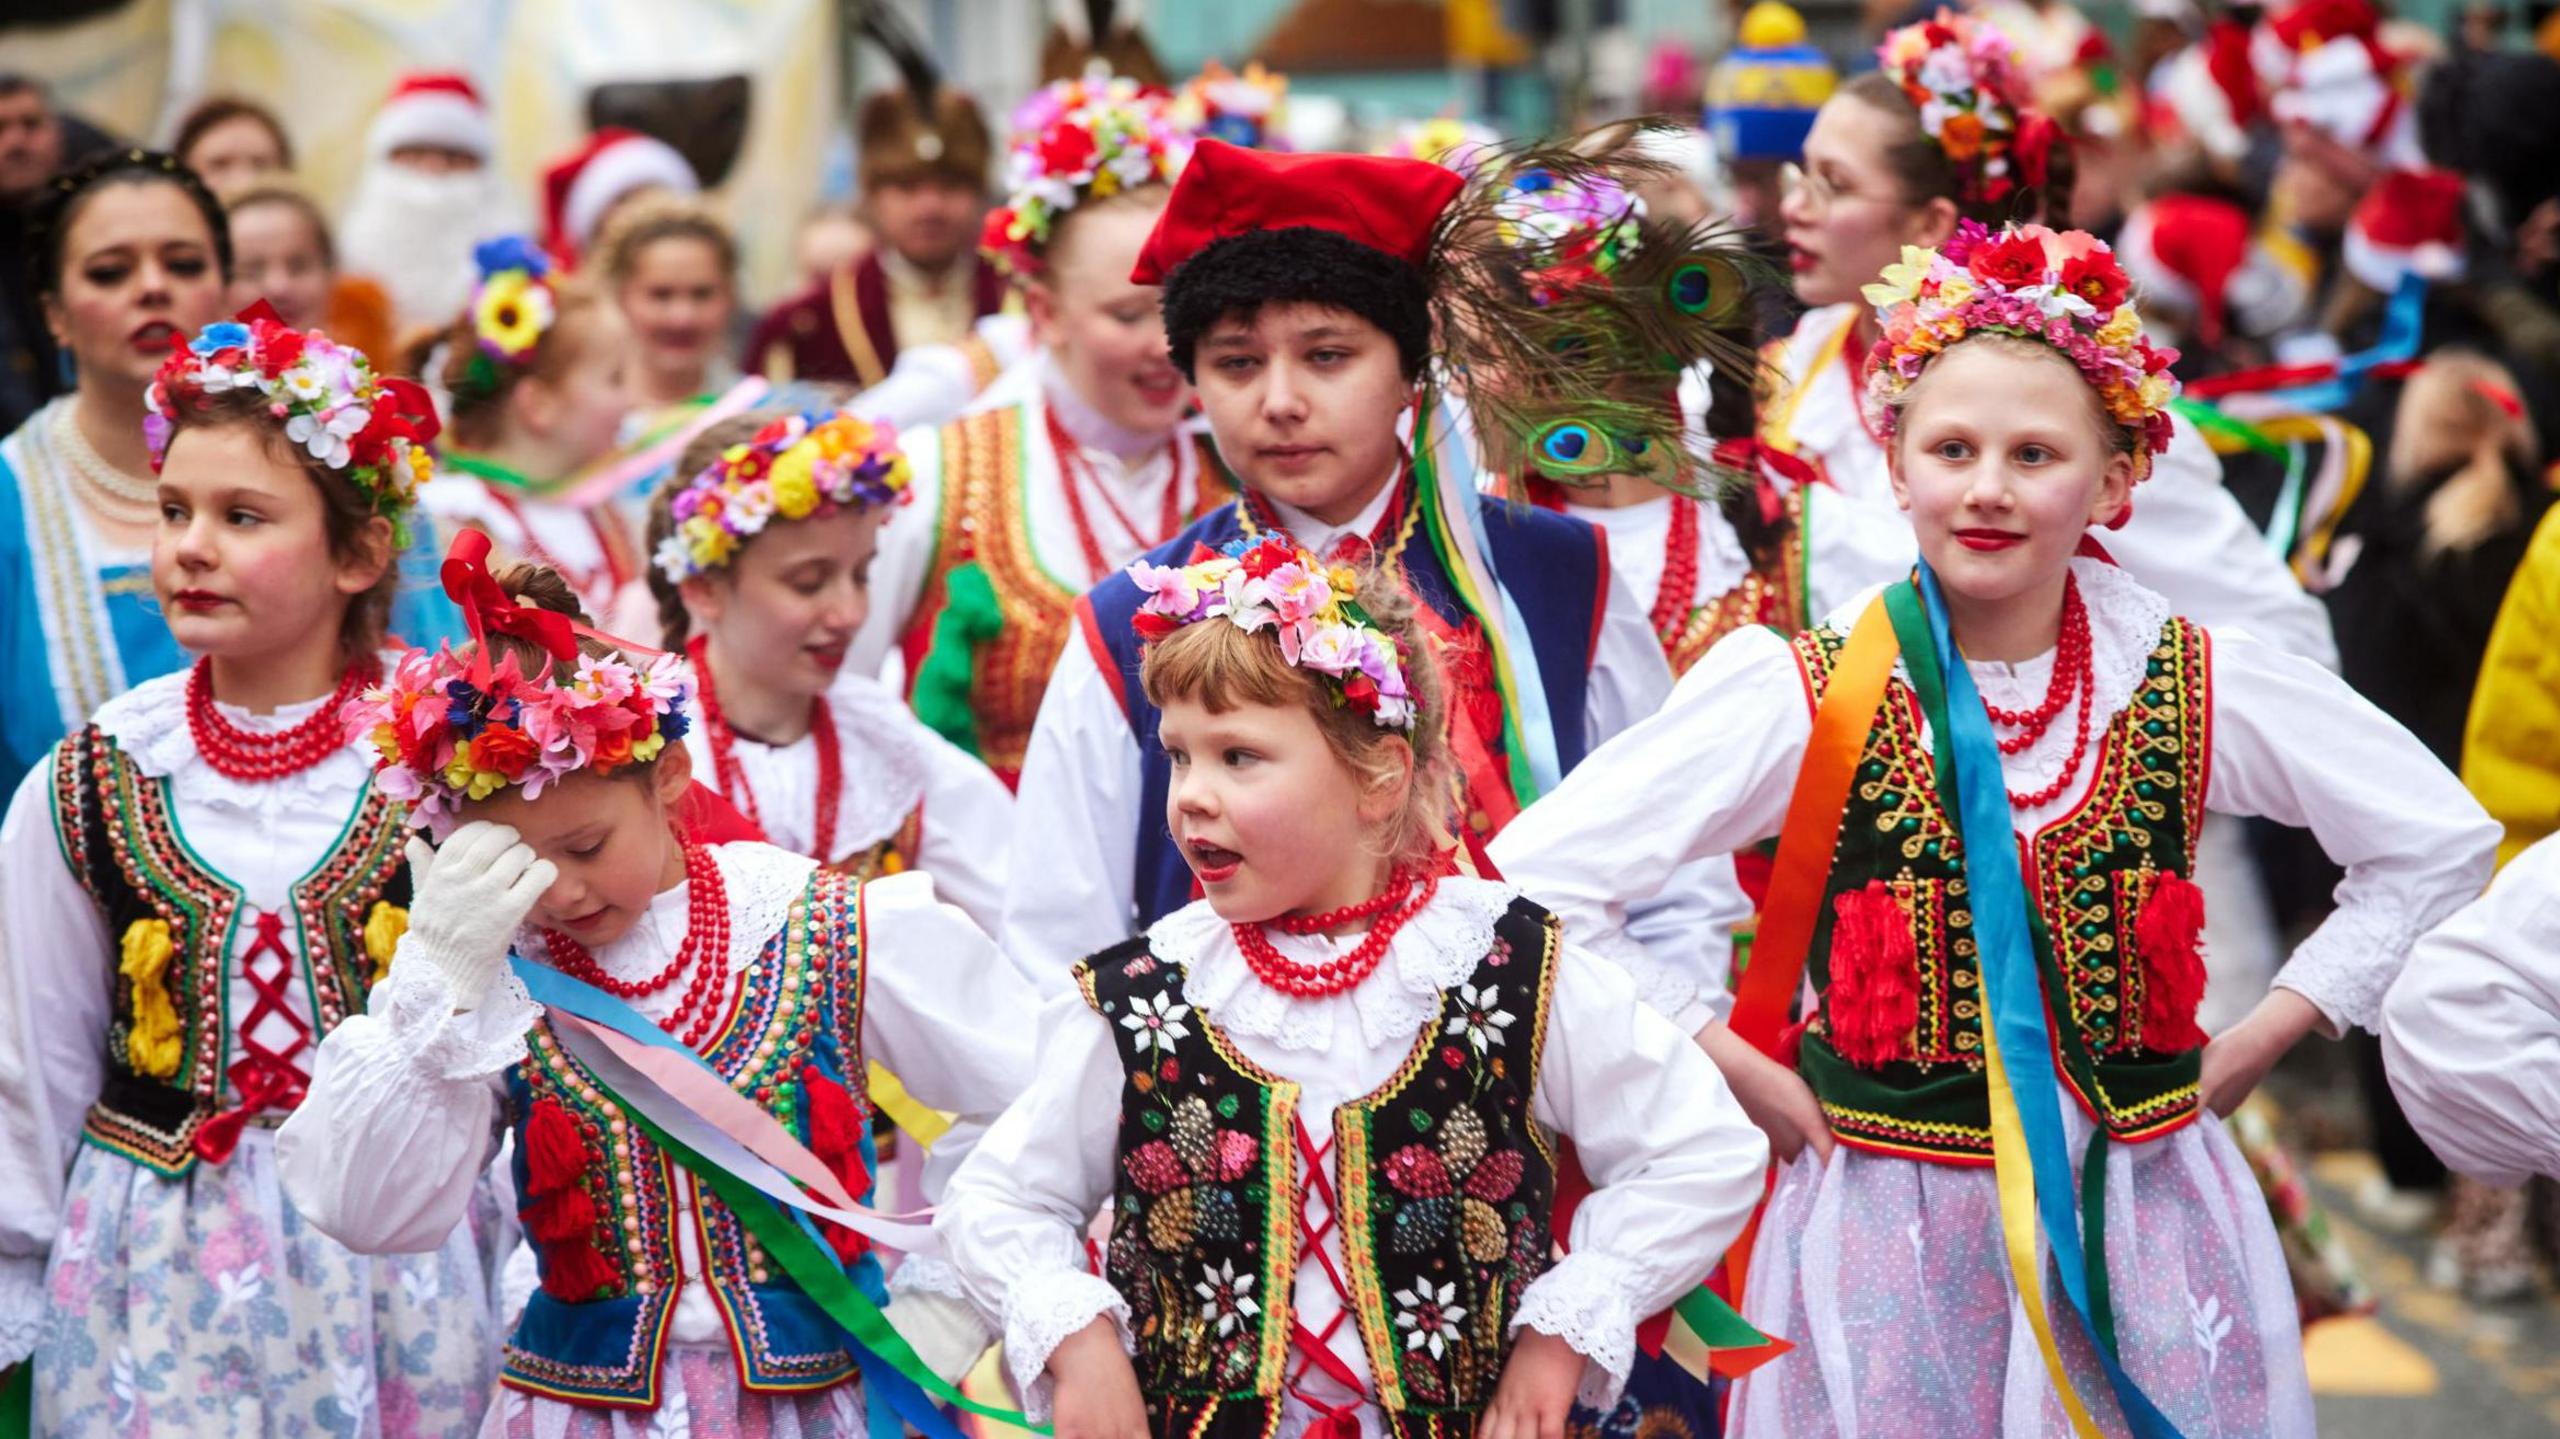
[
  {"x": 595, "y": 1331},
  {"x": 1895, "y": 1052},
  {"x": 1445, "y": 1182},
  {"x": 177, "y": 919},
  {"x": 994, "y": 619},
  {"x": 1772, "y": 597}
]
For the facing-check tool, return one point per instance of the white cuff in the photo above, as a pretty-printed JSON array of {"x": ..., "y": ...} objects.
[
  {"x": 2347, "y": 965},
  {"x": 417, "y": 1006},
  {"x": 1587, "y": 1300},
  {"x": 21, "y": 1306},
  {"x": 1039, "y": 1314},
  {"x": 926, "y": 1274}
]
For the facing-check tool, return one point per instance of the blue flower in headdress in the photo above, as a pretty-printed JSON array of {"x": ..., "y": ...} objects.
[
  {"x": 510, "y": 252},
  {"x": 673, "y": 724},
  {"x": 227, "y": 335},
  {"x": 462, "y": 710}
]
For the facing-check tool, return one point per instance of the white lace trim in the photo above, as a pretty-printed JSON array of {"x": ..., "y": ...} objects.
[
  {"x": 416, "y": 1004},
  {"x": 1584, "y": 1301},
  {"x": 927, "y": 1274},
  {"x": 21, "y": 1306},
  {"x": 761, "y": 881},
  {"x": 1040, "y": 1312},
  {"x": 885, "y": 767},
  {"x": 2348, "y": 964},
  {"x": 1436, "y": 949},
  {"x": 149, "y": 725}
]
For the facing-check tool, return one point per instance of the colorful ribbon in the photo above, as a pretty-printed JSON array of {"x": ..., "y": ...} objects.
[{"x": 1454, "y": 522}]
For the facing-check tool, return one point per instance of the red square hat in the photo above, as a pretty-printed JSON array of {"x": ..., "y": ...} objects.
[{"x": 1388, "y": 205}]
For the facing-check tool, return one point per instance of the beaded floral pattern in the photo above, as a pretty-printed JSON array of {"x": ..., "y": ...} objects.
[
  {"x": 800, "y": 467},
  {"x": 1272, "y": 584},
  {"x": 1079, "y": 140}
]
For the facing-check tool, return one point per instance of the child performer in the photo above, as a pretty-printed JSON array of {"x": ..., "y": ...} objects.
[
  {"x": 200, "y": 884},
  {"x": 535, "y": 372},
  {"x": 543, "y": 756},
  {"x": 761, "y": 563},
  {"x": 2057, "y": 698},
  {"x": 1301, "y": 292},
  {"x": 1072, "y": 462},
  {"x": 1322, "y": 1102}
]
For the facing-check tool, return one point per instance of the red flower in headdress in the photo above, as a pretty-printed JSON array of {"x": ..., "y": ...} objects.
[
  {"x": 2011, "y": 261},
  {"x": 1066, "y": 149},
  {"x": 2096, "y": 278}
]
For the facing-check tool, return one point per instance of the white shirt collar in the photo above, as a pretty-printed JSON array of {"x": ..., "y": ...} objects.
[{"x": 1317, "y": 536}]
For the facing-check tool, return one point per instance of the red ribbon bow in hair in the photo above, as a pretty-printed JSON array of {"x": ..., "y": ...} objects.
[
  {"x": 1767, "y": 465},
  {"x": 488, "y": 610}
]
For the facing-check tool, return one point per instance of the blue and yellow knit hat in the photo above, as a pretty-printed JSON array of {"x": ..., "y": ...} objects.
[{"x": 1762, "y": 95}]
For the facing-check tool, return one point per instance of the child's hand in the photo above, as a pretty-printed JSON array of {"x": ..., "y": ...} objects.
[
  {"x": 2236, "y": 1059},
  {"x": 1097, "y": 1394},
  {"x": 1536, "y": 1391},
  {"x": 1776, "y": 1097},
  {"x": 467, "y": 899}
]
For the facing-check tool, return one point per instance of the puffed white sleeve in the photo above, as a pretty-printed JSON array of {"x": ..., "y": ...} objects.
[
  {"x": 56, "y": 963},
  {"x": 1629, "y": 677},
  {"x": 938, "y": 1006},
  {"x": 1675, "y": 1167},
  {"x": 2191, "y": 541},
  {"x": 968, "y": 830},
  {"x": 1707, "y": 774},
  {"x": 902, "y": 562},
  {"x": 1075, "y": 827},
  {"x": 2292, "y": 743},
  {"x": 2471, "y": 1029},
  {"x": 1012, "y": 1221},
  {"x": 926, "y": 386},
  {"x": 402, "y": 1115}
]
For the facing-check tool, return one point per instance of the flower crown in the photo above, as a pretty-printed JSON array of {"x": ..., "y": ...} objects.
[
  {"x": 1076, "y": 140},
  {"x": 1242, "y": 109},
  {"x": 1445, "y": 141},
  {"x": 798, "y": 467},
  {"x": 511, "y": 308},
  {"x": 447, "y": 728},
  {"x": 374, "y": 428},
  {"x": 2064, "y": 289},
  {"x": 1585, "y": 227},
  {"x": 1962, "y": 75},
  {"x": 1271, "y": 583}
]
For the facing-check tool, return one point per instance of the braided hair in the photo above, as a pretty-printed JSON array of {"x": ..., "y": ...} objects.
[{"x": 68, "y": 193}]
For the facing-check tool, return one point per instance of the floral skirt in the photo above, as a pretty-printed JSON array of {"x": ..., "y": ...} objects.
[
  {"x": 178, "y": 1308},
  {"x": 1890, "y": 1278},
  {"x": 699, "y": 1397}
]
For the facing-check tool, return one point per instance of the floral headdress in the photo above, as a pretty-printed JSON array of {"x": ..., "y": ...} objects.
[
  {"x": 2064, "y": 289},
  {"x": 1242, "y": 109},
  {"x": 1076, "y": 140},
  {"x": 376, "y": 429},
  {"x": 1963, "y": 76},
  {"x": 798, "y": 467},
  {"x": 511, "y": 309},
  {"x": 1443, "y": 140},
  {"x": 1272, "y": 584},
  {"x": 1584, "y": 228},
  {"x": 447, "y": 729}
]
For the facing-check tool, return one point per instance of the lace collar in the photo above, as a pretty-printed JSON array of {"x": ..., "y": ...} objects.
[
  {"x": 884, "y": 759},
  {"x": 1436, "y": 950},
  {"x": 2125, "y": 618},
  {"x": 149, "y": 724},
  {"x": 761, "y": 882}
]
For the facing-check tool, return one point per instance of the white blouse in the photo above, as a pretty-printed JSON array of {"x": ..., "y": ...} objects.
[
  {"x": 892, "y": 765},
  {"x": 2291, "y": 742},
  {"x": 1674, "y": 1163},
  {"x": 58, "y": 962},
  {"x": 2471, "y": 1030},
  {"x": 1849, "y": 547},
  {"x": 930, "y": 384},
  {"x": 401, "y": 1117},
  {"x": 566, "y": 537}
]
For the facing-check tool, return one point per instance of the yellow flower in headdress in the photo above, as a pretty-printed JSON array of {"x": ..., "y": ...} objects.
[
  {"x": 1900, "y": 281},
  {"x": 475, "y": 782},
  {"x": 795, "y": 482},
  {"x": 2120, "y": 327},
  {"x": 643, "y": 751},
  {"x": 154, "y": 1044},
  {"x": 512, "y": 312},
  {"x": 708, "y": 540}
]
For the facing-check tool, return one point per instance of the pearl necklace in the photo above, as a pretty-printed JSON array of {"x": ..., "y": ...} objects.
[{"x": 110, "y": 483}]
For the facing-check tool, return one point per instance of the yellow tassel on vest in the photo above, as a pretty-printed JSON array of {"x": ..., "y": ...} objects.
[
  {"x": 383, "y": 926},
  {"x": 155, "y": 1045}
]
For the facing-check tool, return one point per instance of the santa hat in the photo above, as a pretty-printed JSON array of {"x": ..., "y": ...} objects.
[
  {"x": 2338, "y": 79},
  {"x": 1761, "y": 97},
  {"x": 578, "y": 190},
  {"x": 2409, "y": 223},
  {"x": 433, "y": 108},
  {"x": 2184, "y": 249}
]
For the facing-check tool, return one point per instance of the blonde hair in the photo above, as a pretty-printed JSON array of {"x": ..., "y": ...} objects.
[
  {"x": 2447, "y": 422},
  {"x": 2119, "y": 438},
  {"x": 1223, "y": 668},
  {"x": 657, "y": 216}
]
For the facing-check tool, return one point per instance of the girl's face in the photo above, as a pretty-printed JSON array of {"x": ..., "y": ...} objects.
[
  {"x": 2003, "y": 464},
  {"x": 678, "y": 301},
  {"x": 1106, "y": 334},
  {"x": 138, "y": 270},
  {"x": 241, "y": 561},
  {"x": 782, "y": 613},
  {"x": 610, "y": 838},
  {"x": 577, "y": 414},
  {"x": 1304, "y": 400},
  {"x": 235, "y": 152},
  {"x": 1270, "y": 818},
  {"x": 1848, "y": 218},
  {"x": 277, "y": 258}
]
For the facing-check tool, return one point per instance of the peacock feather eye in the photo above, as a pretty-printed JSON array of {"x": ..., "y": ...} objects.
[{"x": 1691, "y": 289}]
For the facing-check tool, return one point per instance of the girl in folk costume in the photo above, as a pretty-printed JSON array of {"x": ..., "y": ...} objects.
[
  {"x": 761, "y": 562},
  {"x": 1303, "y": 294},
  {"x": 672, "y": 1291},
  {"x": 1985, "y": 881},
  {"x": 1322, "y": 1102},
  {"x": 1942, "y": 132},
  {"x": 131, "y": 256},
  {"x": 1072, "y": 462},
  {"x": 535, "y": 378},
  {"x": 200, "y": 883}
]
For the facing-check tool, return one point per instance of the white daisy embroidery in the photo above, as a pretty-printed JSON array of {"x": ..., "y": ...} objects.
[
  {"x": 1481, "y": 1019},
  {"x": 1430, "y": 1319},
  {"x": 1157, "y": 1022},
  {"x": 1226, "y": 1297}
]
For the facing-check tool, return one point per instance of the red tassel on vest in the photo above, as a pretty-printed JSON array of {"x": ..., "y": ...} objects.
[
  {"x": 835, "y": 1136},
  {"x": 1873, "y": 1004},
  {"x": 558, "y": 1211},
  {"x": 2169, "y": 935}
]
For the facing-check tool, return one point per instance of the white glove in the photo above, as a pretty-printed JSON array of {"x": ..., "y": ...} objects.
[
  {"x": 467, "y": 899},
  {"x": 946, "y": 1333}
]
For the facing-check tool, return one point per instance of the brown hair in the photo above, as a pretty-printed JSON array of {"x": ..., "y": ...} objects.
[
  {"x": 294, "y": 199},
  {"x": 542, "y": 587},
  {"x": 2450, "y": 439},
  {"x": 675, "y": 622},
  {"x": 219, "y": 110},
  {"x": 1225, "y": 668},
  {"x": 1924, "y": 172},
  {"x": 346, "y": 511},
  {"x": 656, "y": 216},
  {"x": 476, "y": 409}
]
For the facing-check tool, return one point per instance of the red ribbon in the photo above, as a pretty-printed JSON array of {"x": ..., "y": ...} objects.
[
  {"x": 264, "y": 1084},
  {"x": 489, "y": 610},
  {"x": 1768, "y": 465}
]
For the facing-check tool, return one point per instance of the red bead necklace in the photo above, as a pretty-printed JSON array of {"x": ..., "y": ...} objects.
[
  {"x": 263, "y": 755},
  {"x": 731, "y": 779},
  {"x": 1075, "y": 475},
  {"x": 2073, "y": 671},
  {"x": 1678, "y": 594},
  {"x": 705, "y": 951},
  {"x": 1387, "y": 912}
]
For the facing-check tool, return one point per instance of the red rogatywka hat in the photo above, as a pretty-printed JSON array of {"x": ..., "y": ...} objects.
[{"x": 1389, "y": 205}]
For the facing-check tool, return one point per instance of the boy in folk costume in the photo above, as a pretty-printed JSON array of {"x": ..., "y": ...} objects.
[
  {"x": 1076, "y": 460},
  {"x": 1322, "y": 1103},
  {"x": 1300, "y": 294}
]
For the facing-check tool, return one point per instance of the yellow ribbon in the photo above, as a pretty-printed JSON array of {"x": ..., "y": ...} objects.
[
  {"x": 890, "y": 1097},
  {"x": 2012, "y": 1172}
]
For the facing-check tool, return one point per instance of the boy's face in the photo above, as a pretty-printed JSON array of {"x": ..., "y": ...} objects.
[{"x": 1304, "y": 400}]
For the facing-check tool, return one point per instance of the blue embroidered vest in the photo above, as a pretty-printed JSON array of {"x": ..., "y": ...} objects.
[{"x": 801, "y": 1005}]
